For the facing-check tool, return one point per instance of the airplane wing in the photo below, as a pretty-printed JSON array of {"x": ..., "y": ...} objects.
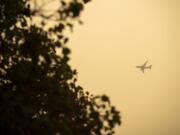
[
  {"x": 142, "y": 70},
  {"x": 145, "y": 63}
]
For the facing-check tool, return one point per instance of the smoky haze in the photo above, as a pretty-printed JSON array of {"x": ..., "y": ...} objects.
[{"x": 117, "y": 36}]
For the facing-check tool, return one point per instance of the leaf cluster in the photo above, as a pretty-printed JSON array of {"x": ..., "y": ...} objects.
[{"x": 39, "y": 94}]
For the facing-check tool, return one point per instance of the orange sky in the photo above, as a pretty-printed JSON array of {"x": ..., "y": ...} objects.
[{"x": 117, "y": 36}]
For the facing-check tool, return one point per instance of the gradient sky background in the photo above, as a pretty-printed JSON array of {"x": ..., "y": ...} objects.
[{"x": 117, "y": 36}]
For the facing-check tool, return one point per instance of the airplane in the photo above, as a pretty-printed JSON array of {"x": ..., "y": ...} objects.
[{"x": 143, "y": 67}]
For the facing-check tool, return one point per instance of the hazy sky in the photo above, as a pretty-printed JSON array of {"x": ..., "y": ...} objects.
[{"x": 117, "y": 36}]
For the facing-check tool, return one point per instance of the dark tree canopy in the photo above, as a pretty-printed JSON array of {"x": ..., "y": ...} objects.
[{"x": 39, "y": 94}]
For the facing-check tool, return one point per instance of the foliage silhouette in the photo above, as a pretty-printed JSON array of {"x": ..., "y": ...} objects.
[{"x": 39, "y": 94}]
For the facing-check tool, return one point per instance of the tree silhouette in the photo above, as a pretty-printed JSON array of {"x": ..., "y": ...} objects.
[{"x": 39, "y": 94}]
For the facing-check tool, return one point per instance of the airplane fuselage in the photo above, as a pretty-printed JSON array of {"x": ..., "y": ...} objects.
[{"x": 143, "y": 67}]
